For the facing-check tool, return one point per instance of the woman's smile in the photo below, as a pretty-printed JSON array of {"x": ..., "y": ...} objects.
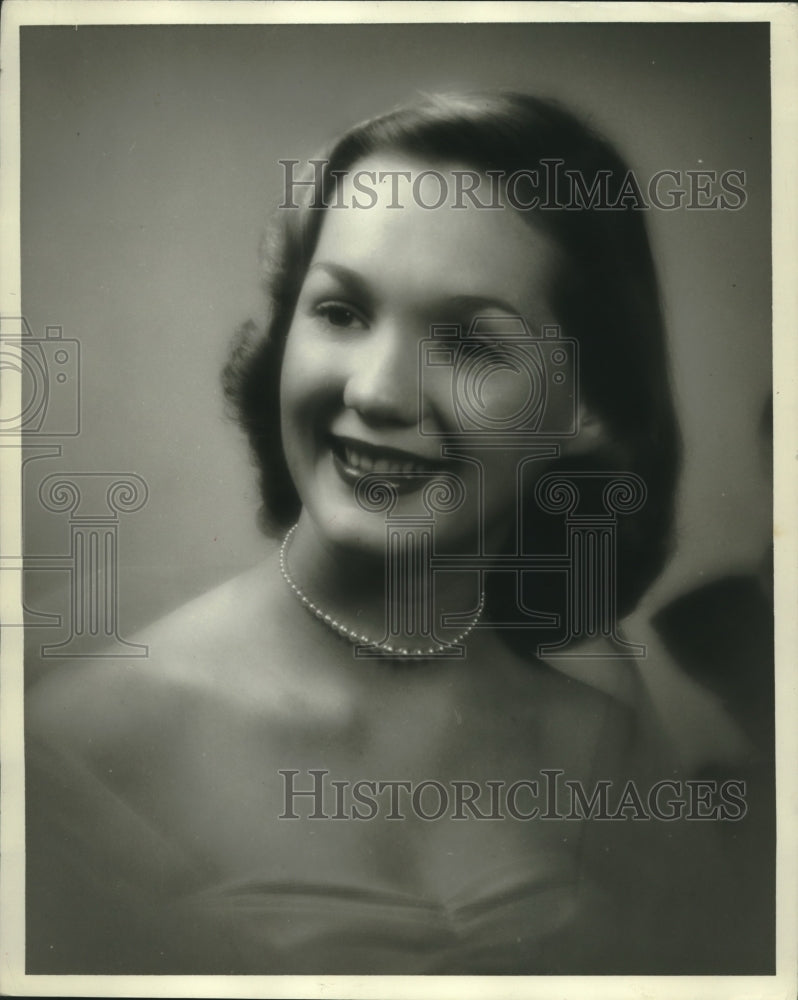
[{"x": 355, "y": 458}]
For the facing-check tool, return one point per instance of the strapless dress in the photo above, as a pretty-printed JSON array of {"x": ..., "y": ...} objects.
[
  {"x": 109, "y": 893},
  {"x": 507, "y": 924}
]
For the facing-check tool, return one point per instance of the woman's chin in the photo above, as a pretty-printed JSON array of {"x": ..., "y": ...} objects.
[
  {"x": 340, "y": 525},
  {"x": 360, "y": 534},
  {"x": 353, "y": 533}
]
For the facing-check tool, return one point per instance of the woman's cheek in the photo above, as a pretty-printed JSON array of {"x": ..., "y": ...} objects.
[{"x": 298, "y": 371}]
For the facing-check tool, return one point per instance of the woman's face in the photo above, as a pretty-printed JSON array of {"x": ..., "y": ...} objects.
[{"x": 359, "y": 391}]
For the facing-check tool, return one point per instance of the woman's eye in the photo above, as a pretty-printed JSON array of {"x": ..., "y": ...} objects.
[{"x": 339, "y": 315}]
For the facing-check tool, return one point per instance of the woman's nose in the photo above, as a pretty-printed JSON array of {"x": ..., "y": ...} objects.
[{"x": 383, "y": 380}]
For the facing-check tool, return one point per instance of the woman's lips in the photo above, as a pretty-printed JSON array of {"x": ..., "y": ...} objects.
[{"x": 354, "y": 459}]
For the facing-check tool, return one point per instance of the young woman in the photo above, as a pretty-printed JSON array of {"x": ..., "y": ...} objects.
[{"x": 295, "y": 783}]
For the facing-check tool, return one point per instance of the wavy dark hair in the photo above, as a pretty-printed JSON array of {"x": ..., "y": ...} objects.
[{"x": 605, "y": 295}]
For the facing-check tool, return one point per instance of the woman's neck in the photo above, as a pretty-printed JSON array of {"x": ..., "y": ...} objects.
[{"x": 402, "y": 605}]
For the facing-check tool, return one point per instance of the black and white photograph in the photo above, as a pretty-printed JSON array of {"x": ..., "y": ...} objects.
[{"x": 393, "y": 601}]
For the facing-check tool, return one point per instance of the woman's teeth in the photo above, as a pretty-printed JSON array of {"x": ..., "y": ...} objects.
[{"x": 367, "y": 463}]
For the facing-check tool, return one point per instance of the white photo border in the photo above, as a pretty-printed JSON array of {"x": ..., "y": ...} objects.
[{"x": 783, "y": 19}]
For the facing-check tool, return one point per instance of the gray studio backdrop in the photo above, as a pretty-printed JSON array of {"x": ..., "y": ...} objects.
[{"x": 150, "y": 164}]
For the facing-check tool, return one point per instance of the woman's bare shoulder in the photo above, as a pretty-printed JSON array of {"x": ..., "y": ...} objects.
[
  {"x": 218, "y": 617},
  {"x": 192, "y": 654}
]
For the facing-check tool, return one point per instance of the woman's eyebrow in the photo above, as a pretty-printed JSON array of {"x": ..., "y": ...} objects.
[
  {"x": 345, "y": 275},
  {"x": 472, "y": 303},
  {"x": 456, "y": 301}
]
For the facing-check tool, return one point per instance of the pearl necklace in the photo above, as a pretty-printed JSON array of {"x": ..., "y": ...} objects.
[{"x": 356, "y": 637}]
